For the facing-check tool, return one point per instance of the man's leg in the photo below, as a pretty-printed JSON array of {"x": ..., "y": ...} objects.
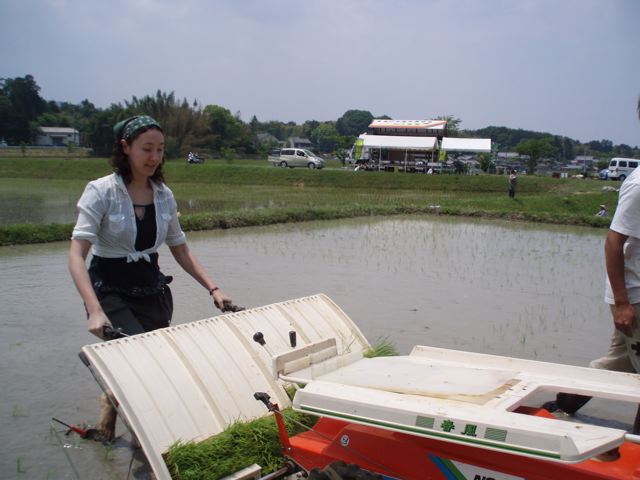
[{"x": 616, "y": 359}]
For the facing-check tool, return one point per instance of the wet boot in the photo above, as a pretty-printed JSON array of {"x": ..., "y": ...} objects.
[
  {"x": 636, "y": 423},
  {"x": 569, "y": 403},
  {"x": 107, "y": 421}
]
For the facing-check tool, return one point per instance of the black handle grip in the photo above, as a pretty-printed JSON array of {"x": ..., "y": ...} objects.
[
  {"x": 230, "y": 307},
  {"x": 258, "y": 337},
  {"x": 111, "y": 333}
]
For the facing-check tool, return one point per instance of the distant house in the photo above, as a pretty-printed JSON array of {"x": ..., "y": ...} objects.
[
  {"x": 265, "y": 138},
  {"x": 298, "y": 142},
  {"x": 57, "y": 137},
  {"x": 587, "y": 161}
]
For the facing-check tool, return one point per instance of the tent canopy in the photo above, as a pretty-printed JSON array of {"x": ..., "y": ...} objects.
[
  {"x": 466, "y": 144},
  {"x": 399, "y": 142}
]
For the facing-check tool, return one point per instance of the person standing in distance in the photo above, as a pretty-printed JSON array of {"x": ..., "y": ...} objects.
[
  {"x": 513, "y": 183},
  {"x": 123, "y": 219}
]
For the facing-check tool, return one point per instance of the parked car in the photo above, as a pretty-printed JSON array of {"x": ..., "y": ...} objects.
[
  {"x": 620, "y": 168},
  {"x": 296, "y": 157},
  {"x": 603, "y": 174}
]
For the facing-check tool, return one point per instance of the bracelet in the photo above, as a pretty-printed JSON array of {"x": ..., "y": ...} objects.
[{"x": 213, "y": 290}]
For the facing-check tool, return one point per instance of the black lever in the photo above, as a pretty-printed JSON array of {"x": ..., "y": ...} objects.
[
  {"x": 292, "y": 338},
  {"x": 111, "y": 333},
  {"x": 230, "y": 307},
  {"x": 258, "y": 337},
  {"x": 265, "y": 398}
]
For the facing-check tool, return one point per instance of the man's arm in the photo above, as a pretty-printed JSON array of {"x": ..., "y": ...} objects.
[{"x": 624, "y": 313}]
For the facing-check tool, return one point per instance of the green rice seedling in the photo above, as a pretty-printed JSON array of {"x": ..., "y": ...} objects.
[
  {"x": 239, "y": 446},
  {"x": 245, "y": 443},
  {"x": 18, "y": 412},
  {"x": 382, "y": 348},
  {"x": 20, "y": 468},
  {"x": 108, "y": 451}
]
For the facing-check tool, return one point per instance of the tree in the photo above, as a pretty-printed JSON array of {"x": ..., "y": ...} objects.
[
  {"x": 228, "y": 131},
  {"x": 308, "y": 127},
  {"x": 623, "y": 150},
  {"x": 325, "y": 136},
  {"x": 354, "y": 122},
  {"x": 536, "y": 149},
  {"x": 254, "y": 124},
  {"x": 24, "y": 105},
  {"x": 601, "y": 146},
  {"x": 453, "y": 125},
  {"x": 485, "y": 161},
  {"x": 508, "y": 138},
  {"x": 99, "y": 130}
]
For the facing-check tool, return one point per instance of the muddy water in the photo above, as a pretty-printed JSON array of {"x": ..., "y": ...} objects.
[{"x": 510, "y": 289}]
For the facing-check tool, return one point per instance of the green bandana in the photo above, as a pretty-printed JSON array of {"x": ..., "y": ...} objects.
[{"x": 127, "y": 128}]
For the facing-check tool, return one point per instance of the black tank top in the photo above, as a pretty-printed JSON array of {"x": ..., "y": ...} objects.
[{"x": 133, "y": 278}]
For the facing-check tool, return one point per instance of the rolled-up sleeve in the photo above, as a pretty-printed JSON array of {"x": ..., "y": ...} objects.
[
  {"x": 175, "y": 235},
  {"x": 91, "y": 208}
]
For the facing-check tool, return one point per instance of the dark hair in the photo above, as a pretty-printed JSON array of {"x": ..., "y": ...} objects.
[{"x": 120, "y": 161}]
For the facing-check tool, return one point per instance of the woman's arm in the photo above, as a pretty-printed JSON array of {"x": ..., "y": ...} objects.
[
  {"x": 192, "y": 266},
  {"x": 78, "y": 268}
]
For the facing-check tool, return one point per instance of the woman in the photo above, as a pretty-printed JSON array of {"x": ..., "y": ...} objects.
[{"x": 124, "y": 218}]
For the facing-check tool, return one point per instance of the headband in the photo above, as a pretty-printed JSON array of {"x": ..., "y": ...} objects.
[{"x": 128, "y": 127}]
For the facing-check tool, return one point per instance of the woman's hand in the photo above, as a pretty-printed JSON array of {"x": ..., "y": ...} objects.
[
  {"x": 97, "y": 321},
  {"x": 220, "y": 300}
]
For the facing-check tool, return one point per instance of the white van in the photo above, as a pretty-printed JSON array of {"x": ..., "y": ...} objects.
[{"x": 621, "y": 168}]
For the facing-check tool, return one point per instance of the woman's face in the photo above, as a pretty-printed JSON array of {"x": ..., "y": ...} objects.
[{"x": 145, "y": 153}]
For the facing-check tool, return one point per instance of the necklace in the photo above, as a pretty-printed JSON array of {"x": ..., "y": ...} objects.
[{"x": 140, "y": 211}]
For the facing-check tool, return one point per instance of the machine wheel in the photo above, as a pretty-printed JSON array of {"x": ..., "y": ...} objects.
[
  {"x": 342, "y": 471},
  {"x": 311, "y": 165},
  {"x": 622, "y": 177},
  {"x": 283, "y": 164}
]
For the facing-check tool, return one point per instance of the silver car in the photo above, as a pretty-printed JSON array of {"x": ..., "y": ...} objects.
[{"x": 296, "y": 157}]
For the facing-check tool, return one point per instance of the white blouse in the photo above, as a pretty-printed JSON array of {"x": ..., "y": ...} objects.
[{"x": 106, "y": 219}]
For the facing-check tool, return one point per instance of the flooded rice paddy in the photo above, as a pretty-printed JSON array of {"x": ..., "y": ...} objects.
[{"x": 512, "y": 289}]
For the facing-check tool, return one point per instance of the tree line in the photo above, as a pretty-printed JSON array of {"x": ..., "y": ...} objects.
[{"x": 190, "y": 126}]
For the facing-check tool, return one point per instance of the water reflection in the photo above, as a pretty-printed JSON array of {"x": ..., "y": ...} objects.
[{"x": 495, "y": 287}]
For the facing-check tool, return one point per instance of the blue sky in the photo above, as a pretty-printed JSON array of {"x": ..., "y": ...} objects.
[{"x": 568, "y": 67}]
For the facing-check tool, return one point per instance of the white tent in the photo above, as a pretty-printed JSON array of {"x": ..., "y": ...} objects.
[
  {"x": 466, "y": 144},
  {"x": 399, "y": 143}
]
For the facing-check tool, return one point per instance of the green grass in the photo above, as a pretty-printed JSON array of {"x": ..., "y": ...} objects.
[{"x": 221, "y": 194}]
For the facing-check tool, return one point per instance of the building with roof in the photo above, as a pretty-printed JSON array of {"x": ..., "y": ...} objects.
[
  {"x": 298, "y": 142},
  {"x": 57, "y": 137},
  {"x": 411, "y": 145},
  {"x": 408, "y": 128},
  {"x": 265, "y": 138}
]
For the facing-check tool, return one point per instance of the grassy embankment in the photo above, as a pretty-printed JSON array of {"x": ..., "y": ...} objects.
[{"x": 244, "y": 193}]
